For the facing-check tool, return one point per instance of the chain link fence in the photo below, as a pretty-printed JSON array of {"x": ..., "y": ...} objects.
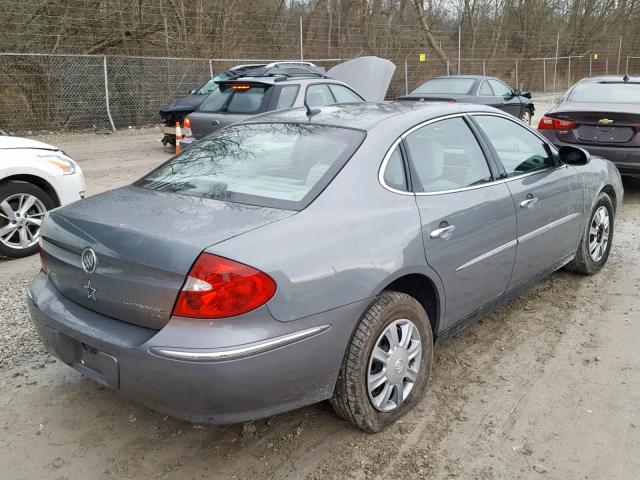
[{"x": 51, "y": 92}]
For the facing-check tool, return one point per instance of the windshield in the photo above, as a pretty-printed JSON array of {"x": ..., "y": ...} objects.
[
  {"x": 606, "y": 93},
  {"x": 271, "y": 164},
  {"x": 458, "y": 86},
  {"x": 235, "y": 98}
]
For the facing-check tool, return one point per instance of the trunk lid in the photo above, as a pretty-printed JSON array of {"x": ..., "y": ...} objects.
[
  {"x": 599, "y": 124},
  {"x": 204, "y": 123},
  {"x": 145, "y": 242}
]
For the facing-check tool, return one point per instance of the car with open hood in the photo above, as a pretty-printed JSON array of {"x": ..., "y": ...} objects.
[
  {"x": 277, "y": 87},
  {"x": 312, "y": 254}
]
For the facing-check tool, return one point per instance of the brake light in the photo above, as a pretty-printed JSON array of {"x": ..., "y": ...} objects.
[
  {"x": 217, "y": 287},
  {"x": 187, "y": 123},
  {"x": 240, "y": 87},
  {"x": 549, "y": 123}
]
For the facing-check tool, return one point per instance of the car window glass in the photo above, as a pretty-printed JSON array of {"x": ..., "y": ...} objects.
[
  {"x": 519, "y": 150},
  {"x": 485, "y": 89},
  {"x": 446, "y": 85},
  {"x": 606, "y": 93},
  {"x": 394, "y": 175},
  {"x": 499, "y": 88},
  {"x": 246, "y": 101},
  {"x": 318, "y": 95},
  {"x": 344, "y": 95},
  {"x": 215, "y": 101},
  {"x": 272, "y": 165},
  {"x": 445, "y": 155},
  {"x": 287, "y": 96}
]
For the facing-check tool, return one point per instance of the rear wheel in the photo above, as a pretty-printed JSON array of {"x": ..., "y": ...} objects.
[
  {"x": 387, "y": 364},
  {"x": 597, "y": 236},
  {"x": 526, "y": 117},
  {"x": 22, "y": 209}
]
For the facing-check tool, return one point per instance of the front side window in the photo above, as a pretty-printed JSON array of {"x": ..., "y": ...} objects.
[
  {"x": 319, "y": 95},
  {"x": 271, "y": 165},
  {"x": 344, "y": 94},
  {"x": 519, "y": 150},
  {"x": 499, "y": 88},
  {"x": 445, "y": 155}
]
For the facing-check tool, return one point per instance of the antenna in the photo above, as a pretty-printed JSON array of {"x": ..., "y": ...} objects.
[{"x": 310, "y": 111}]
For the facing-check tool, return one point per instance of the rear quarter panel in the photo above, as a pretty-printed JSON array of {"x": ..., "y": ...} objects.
[{"x": 351, "y": 242}]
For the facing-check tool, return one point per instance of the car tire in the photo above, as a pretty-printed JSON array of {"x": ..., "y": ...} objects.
[
  {"x": 597, "y": 237},
  {"x": 352, "y": 399},
  {"x": 10, "y": 193},
  {"x": 526, "y": 117}
]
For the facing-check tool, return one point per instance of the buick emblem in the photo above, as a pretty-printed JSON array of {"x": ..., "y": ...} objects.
[{"x": 89, "y": 260}]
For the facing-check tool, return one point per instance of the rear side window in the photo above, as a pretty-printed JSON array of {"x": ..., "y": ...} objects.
[
  {"x": 445, "y": 155},
  {"x": 287, "y": 96},
  {"x": 519, "y": 150},
  {"x": 394, "y": 175},
  {"x": 344, "y": 94},
  {"x": 272, "y": 165},
  {"x": 318, "y": 95}
]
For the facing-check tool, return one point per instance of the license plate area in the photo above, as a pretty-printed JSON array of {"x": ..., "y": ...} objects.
[
  {"x": 605, "y": 134},
  {"x": 88, "y": 360}
]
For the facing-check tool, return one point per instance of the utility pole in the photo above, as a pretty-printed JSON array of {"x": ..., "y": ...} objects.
[
  {"x": 459, "y": 46},
  {"x": 555, "y": 65}
]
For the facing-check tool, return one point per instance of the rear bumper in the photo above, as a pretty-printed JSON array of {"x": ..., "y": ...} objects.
[
  {"x": 627, "y": 159},
  {"x": 224, "y": 371}
]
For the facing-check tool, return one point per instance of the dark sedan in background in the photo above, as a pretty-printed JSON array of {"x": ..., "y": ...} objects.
[
  {"x": 478, "y": 89},
  {"x": 601, "y": 115}
]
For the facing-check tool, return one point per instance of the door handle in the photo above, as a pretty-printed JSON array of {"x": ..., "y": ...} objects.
[
  {"x": 443, "y": 232},
  {"x": 529, "y": 202}
]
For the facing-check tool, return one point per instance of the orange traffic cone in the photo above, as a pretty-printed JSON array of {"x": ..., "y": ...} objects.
[{"x": 178, "y": 137}]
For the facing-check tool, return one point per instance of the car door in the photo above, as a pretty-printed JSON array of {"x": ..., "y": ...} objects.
[
  {"x": 505, "y": 99},
  {"x": 547, "y": 195},
  {"x": 468, "y": 220}
]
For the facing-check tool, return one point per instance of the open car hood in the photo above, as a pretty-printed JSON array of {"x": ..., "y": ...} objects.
[{"x": 369, "y": 76}]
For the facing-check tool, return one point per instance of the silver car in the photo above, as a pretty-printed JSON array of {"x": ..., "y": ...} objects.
[{"x": 314, "y": 254}]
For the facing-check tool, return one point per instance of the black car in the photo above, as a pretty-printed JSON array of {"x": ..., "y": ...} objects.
[
  {"x": 601, "y": 115},
  {"x": 478, "y": 89}
]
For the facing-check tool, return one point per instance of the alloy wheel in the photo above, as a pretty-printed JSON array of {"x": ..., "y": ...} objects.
[
  {"x": 599, "y": 234},
  {"x": 20, "y": 218},
  {"x": 394, "y": 364}
]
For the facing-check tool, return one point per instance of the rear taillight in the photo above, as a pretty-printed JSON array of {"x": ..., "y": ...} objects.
[
  {"x": 638, "y": 128},
  {"x": 187, "y": 126},
  {"x": 217, "y": 287},
  {"x": 549, "y": 123}
]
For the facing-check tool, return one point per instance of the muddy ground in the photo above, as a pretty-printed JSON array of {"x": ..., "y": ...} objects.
[{"x": 547, "y": 387}]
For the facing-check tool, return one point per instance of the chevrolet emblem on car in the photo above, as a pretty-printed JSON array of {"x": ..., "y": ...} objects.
[{"x": 605, "y": 121}]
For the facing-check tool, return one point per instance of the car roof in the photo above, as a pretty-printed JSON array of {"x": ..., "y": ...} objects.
[
  {"x": 366, "y": 115},
  {"x": 471, "y": 77},
  {"x": 277, "y": 80}
]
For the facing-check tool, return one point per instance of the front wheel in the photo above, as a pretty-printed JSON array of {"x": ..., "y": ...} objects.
[
  {"x": 596, "y": 240},
  {"x": 22, "y": 209},
  {"x": 387, "y": 364}
]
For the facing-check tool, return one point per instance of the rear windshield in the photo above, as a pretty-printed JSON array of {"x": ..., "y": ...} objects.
[
  {"x": 606, "y": 93},
  {"x": 280, "y": 165},
  {"x": 446, "y": 85},
  {"x": 235, "y": 99}
]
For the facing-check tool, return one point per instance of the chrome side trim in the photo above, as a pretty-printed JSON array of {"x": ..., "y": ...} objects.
[
  {"x": 200, "y": 355},
  {"x": 547, "y": 227},
  {"x": 488, "y": 254}
]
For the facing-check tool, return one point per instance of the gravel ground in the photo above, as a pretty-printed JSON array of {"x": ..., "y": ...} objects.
[{"x": 546, "y": 387}]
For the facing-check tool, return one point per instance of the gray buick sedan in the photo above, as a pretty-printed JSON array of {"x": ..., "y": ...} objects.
[{"x": 308, "y": 255}]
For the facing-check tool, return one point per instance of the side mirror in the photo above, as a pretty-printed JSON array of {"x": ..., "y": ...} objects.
[
  {"x": 525, "y": 94},
  {"x": 574, "y": 155},
  {"x": 517, "y": 93}
]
